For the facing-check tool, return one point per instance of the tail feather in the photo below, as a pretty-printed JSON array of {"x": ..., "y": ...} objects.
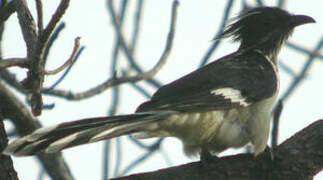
[{"x": 70, "y": 134}]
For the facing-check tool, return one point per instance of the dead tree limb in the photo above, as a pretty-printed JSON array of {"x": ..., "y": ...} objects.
[{"x": 11, "y": 108}]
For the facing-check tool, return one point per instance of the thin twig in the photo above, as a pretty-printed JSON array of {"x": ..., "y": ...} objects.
[
  {"x": 69, "y": 60},
  {"x": 118, "y": 158},
  {"x": 218, "y": 41},
  {"x": 141, "y": 90},
  {"x": 54, "y": 20},
  {"x": 115, "y": 96},
  {"x": 286, "y": 68},
  {"x": 124, "y": 46},
  {"x": 107, "y": 84},
  {"x": 274, "y": 133},
  {"x": 140, "y": 159},
  {"x": 117, "y": 81},
  {"x": 116, "y": 25},
  {"x": 304, "y": 50},
  {"x": 78, "y": 54},
  {"x": 143, "y": 145},
  {"x": 39, "y": 8},
  {"x": 136, "y": 28},
  {"x": 51, "y": 41},
  {"x": 106, "y": 153},
  {"x": 298, "y": 79},
  {"x": 10, "y": 62}
]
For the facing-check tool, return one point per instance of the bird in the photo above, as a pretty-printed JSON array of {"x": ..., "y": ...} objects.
[{"x": 228, "y": 103}]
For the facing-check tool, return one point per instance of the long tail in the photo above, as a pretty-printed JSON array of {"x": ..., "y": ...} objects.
[{"x": 66, "y": 135}]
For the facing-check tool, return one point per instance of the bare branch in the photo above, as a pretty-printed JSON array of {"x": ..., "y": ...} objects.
[
  {"x": 68, "y": 69},
  {"x": 27, "y": 25},
  {"x": 35, "y": 47},
  {"x": 51, "y": 41},
  {"x": 11, "y": 80},
  {"x": 7, "y": 170},
  {"x": 25, "y": 123},
  {"x": 116, "y": 25},
  {"x": 216, "y": 44},
  {"x": 35, "y": 76},
  {"x": 7, "y": 10},
  {"x": 117, "y": 81},
  {"x": 304, "y": 50},
  {"x": 10, "y": 62},
  {"x": 276, "y": 115},
  {"x": 136, "y": 28},
  {"x": 107, "y": 84},
  {"x": 286, "y": 68},
  {"x": 124, "y": 46},
  {"x": 298, "y": 79},
  {"x": 69, "y": 60},
  {"x": 115, "y": 100},
  {"x": 39, "y": 8},
  {"x": 54, "y": 20}
]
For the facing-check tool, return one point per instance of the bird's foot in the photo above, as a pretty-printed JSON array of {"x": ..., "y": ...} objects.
[
  {"x": 207, "y": 158},
  {"x": 271, "y": 153}
]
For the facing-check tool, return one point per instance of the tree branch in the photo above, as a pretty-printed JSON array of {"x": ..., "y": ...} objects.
[
  {"x": 27, "y": 25},
  {"x": 299, "y": 78},
  {"x": 117, "y": 81},
  {"x": 39, "y": 8},
  {"x": 298, "y": 158},
  {"x": 304, "y": 50},
  {"x": 69, "y": 61},
  {"x": 6, "y": 10},
  {"x": 36, "y": 43},
  {"x": 7, "y": 170},
  {"x": 25, "y": 123},
  {"x": 10, "y": 62},
  {"x": 54, "y": 20}
]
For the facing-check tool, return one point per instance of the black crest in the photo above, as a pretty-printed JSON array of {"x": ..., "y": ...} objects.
[{"x": 265, "y": 28}]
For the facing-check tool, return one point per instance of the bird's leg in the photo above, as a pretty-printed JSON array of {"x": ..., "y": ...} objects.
[
  {"x": 267, "y": 155},
  {"x": 265, "y": 161},
  {"x": 271, "y": 152},
  {"x": 206, "y": 157}
]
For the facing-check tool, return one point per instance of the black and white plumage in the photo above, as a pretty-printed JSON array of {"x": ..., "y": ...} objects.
[{"x": 226, "y": 104}]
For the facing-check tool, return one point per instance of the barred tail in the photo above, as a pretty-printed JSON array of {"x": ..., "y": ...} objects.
[{"x": 69, "y": 134}]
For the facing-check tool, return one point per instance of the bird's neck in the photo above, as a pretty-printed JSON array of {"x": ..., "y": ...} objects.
[{"x": 269, "y": 48}]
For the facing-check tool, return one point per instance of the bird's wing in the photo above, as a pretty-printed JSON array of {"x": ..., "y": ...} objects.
[{"x": 236, "y": 80}]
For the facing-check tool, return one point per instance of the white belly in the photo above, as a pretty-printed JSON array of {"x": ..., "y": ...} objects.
[{"x": 217, "y": 130}]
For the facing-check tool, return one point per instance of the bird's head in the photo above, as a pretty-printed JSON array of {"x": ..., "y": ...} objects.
[{"x": 264, "y": 28}]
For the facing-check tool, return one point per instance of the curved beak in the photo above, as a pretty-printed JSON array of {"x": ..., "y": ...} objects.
[{"x": 301, "y": 19}]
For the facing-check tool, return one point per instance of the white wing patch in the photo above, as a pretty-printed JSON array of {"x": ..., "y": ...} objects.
[{"x": 231, "y": 94}]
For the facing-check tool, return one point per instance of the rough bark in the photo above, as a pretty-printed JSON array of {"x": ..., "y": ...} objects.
[
  {"x": 25, "y": 123},
  {"x": 298, "y": 158},
  {"x": 7, "y": 172}
]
